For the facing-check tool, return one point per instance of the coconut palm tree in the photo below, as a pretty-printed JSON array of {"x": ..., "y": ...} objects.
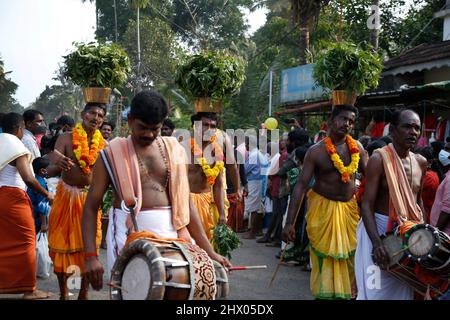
[{"x": 138, "y": 4}]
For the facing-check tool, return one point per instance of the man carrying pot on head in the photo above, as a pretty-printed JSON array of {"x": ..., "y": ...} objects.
[{"x": 332, "y": 213}]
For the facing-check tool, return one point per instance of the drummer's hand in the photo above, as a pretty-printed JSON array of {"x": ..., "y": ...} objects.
[
  {"x": 288, "y": 234},
  {"x": 94, "y": 272},
  {"x": 380, "y": 257},
  {"x": 221, "y": 259}
]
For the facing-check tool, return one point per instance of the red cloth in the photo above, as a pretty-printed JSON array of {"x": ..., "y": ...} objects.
[
  {"x": 430, "y": 186},
  {"x": 430, "y": 122},
  {"x": 441, "y": 130},
  {"x": 276, "y": 179},
  {"x": 18, "y": 242},
  {"x": 235, "y": 219},
  {"x": 377, "y": 130}
]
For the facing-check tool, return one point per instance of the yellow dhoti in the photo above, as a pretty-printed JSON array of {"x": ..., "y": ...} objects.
[
  {"x": 65, "y": 240},
  {"x": 331, "y": 227},
  {"x": 207, "y": 209}
]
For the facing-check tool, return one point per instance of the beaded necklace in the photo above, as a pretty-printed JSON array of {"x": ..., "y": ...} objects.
[{"x": 147, "y": 176}]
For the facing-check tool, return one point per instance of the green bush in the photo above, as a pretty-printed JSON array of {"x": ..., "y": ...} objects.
[
  {"x": 213, "y": 74},
  {"x": 97, "y": 65},
  {"x": 346, "y": 66}
]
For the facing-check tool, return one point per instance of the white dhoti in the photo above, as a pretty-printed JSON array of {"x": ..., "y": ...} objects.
[
  {"x": 253, "y": 201},
  {"x": 372, "y": 282},
  {"x": 156, "y": 220}
]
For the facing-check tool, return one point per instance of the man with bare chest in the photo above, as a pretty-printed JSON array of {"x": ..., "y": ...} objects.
[
  {"x": 206, "y": 172},
  {"x": 332, "y": 213},
  {"x": 392, "y": 198},
  {"x": 76, "y": 151},
  {"x": 160, "y": 182}
]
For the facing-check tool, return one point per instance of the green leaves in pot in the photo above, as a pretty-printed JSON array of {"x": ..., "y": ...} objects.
[
  {"x": 224, "y": 240},
  {"x": 346, "y": 66},
  {"x": 97, "y": 65},
  {"x": 214, "y": 74}
]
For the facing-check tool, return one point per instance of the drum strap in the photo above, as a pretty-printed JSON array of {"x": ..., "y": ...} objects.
[
  {"x": 191, "y": 269},
  {"x": 121, "y": 161}
]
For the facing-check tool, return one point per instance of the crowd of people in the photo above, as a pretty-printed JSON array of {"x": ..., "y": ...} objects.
[{"x": 326, "y": 201}]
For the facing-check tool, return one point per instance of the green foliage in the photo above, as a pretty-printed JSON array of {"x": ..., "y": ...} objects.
[
  {"x": 346, "y": 66},
  {"x": 225, "y": 240},
  {"x": 210, "y": 24},
  {"x": 97, "y": 65},
  {"x": 107, "y": 201},
  {"x": 215, "y": 74},
  {"x": 7, "y": 90},
  {"x": 160, "y": 52}
]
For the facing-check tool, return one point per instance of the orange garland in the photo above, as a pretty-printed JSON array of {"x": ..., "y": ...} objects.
[
  {"x": 351, "y": 169},
  {"x": 210, "y": 173},
  {"x": 85, "y": 154}
]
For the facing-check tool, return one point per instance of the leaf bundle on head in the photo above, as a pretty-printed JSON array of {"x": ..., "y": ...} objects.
[
  {"x": 346, "y": 66},
  {"x": 213, "y": 74},
  {"x": 225, "y": 240},
  {"x": 97, "y": 65}
]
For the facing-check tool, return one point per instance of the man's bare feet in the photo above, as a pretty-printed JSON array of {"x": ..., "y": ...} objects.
[{"x": 36, "y": 295}]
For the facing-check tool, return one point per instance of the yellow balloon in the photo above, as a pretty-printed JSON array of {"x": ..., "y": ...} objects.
[{"x": 271, "y": 123}]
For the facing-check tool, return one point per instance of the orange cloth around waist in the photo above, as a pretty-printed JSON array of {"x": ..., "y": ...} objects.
[
  {"x": 209, "y": 215},
  {"x": 65, "y": 240},
  {"x": 18, "y": 242}
]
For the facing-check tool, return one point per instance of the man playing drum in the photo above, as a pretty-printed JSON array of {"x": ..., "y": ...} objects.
[
  {"x": 392, "y": 197},
  {"x": 165, "y": 206},
  {"x": 332, "y": 213}
]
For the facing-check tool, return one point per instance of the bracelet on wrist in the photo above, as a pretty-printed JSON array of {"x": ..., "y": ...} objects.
[{"x": 90, "y": 255}]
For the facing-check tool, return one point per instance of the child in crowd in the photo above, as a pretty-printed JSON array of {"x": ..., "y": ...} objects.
[{"x": 40, "y": 204}]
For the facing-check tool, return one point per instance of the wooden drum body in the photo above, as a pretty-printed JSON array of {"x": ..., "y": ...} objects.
[
  {"x": 430, "y": 247},
  {"x": 154, "y": 270}
]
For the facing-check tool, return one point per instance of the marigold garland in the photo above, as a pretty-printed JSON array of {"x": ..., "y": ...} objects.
[
  {"x": 210, "y": 173},
  {"x": 86, "y": 155},
  {"x": 346, "y": 172}
]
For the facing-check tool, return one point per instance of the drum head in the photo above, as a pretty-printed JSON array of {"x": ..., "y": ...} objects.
[
  {"x": 420, "y": 242},
  {"x": 393, "y": 245},
  {"x": 138, "y": 273},
  {"x": 136, "y": 279}
]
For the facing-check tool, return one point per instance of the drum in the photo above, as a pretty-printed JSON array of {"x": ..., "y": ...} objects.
[
  {"x": 151, "y": 270},
  {"x": 222, "y": 285},
  {"x": 430, "y": 247},
  {"x": 400, "y": 267},
  {"x": 394, "y": 246}
]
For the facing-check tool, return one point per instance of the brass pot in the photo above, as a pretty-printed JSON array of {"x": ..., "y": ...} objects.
[
  {"x": 96, "y": 95},
  {"x": 340, "y": 97},
  {"x": 207, "y": 105}
]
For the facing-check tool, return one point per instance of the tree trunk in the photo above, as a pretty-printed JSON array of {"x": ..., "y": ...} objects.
[
  {"x": 375, "y": 31},
  {"x": 304, "y": 43},
  {"x": 139, "y": 51}
]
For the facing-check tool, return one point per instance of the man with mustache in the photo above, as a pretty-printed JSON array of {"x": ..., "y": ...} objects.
[
  {"x": 392, "y": 198},
  {"x": 159, "y": 176},
  {"x": 75, "y": 154},
  {"x": 332, "y": 213}
]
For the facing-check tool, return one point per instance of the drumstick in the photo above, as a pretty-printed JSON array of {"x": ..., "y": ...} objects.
[
  {"x": 239, "y": 268},
  {"x": 116, "y": 287},
  {"x": 407, "y": 247},
  {"x": 282, "y": 254}
]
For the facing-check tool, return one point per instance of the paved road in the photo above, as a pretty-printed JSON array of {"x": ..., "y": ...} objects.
[{"x": 291, "y": 282}]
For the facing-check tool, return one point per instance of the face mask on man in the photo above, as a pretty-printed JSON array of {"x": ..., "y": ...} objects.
[{"x": 444, "y": 158}]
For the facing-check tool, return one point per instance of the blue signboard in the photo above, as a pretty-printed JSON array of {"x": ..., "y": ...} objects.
[{"x": 297, "y": 84}]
